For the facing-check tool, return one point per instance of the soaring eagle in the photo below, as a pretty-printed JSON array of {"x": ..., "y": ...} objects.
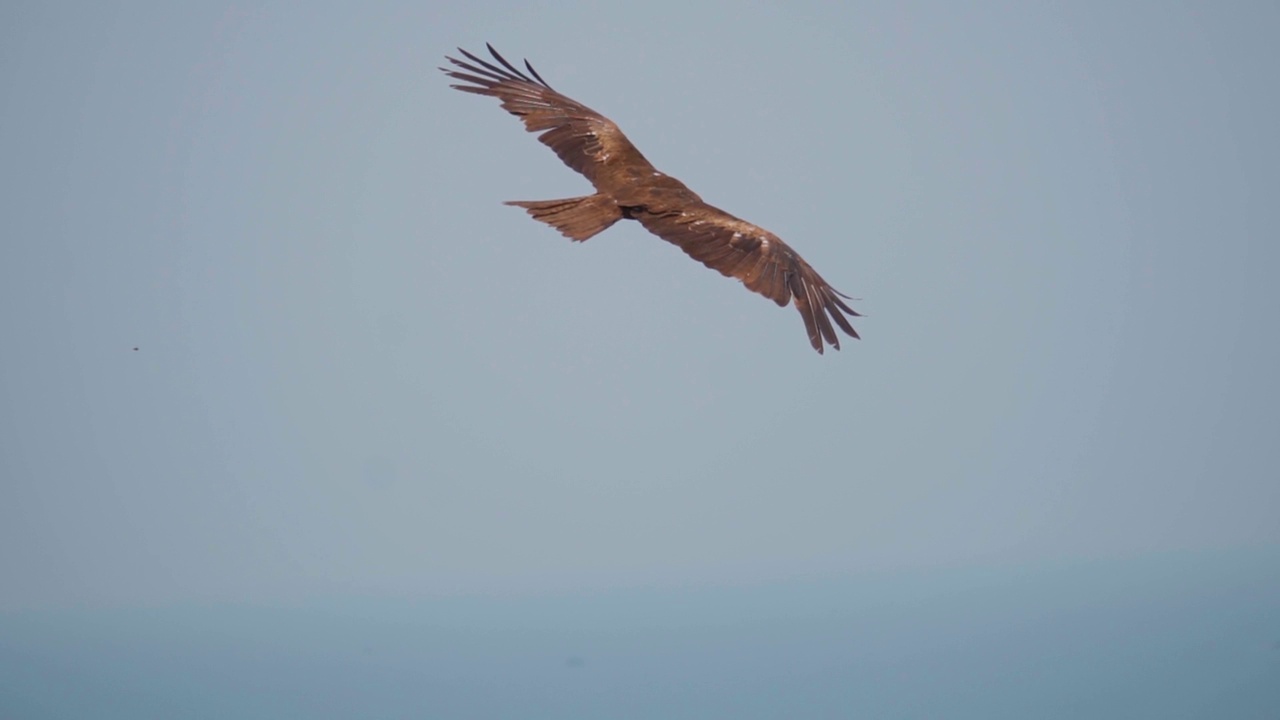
[{"x": 629, "y": 187}]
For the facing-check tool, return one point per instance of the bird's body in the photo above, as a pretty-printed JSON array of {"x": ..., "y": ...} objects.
[{"x": 629, "y": 187}]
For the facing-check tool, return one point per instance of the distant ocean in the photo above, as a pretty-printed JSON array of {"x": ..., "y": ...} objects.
[{"x": 1192, "y": 635}]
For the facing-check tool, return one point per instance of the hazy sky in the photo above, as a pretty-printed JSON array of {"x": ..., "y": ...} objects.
[{"x": 357, "y": 373}]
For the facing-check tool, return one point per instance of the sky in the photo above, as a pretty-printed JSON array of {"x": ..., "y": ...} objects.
[{"x": 270, "y": 337}]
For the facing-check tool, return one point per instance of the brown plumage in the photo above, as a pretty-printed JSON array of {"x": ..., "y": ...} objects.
[{"x": 629, "y": 187}]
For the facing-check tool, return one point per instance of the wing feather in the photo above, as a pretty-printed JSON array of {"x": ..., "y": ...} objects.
[
  {"x": 583, "y": 139},
  {"x": 762, "y": 261}
]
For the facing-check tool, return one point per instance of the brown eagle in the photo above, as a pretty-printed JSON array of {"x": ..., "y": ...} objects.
[{"x": 629, "y": 187}]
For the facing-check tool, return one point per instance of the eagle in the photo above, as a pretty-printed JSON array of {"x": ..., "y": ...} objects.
[{"x": 629, "y": 187}]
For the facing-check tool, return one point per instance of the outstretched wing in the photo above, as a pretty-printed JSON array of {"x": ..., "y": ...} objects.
[
  {"x": 583, "y": 138},
  {"x": 760, "y": 260}
]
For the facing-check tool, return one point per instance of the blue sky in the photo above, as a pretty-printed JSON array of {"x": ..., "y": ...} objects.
[
  {"x": 357, "y": 373},
  {"x": 297, "y": 419}
]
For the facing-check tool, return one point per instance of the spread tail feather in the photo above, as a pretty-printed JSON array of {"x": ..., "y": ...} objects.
[{"x": 576, "y": 218}]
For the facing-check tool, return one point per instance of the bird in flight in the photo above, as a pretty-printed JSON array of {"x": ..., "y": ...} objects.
[{"x": 629, "y": 187}]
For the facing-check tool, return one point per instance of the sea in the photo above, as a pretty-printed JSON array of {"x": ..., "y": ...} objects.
[{"x": 1170, "y": 635}]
